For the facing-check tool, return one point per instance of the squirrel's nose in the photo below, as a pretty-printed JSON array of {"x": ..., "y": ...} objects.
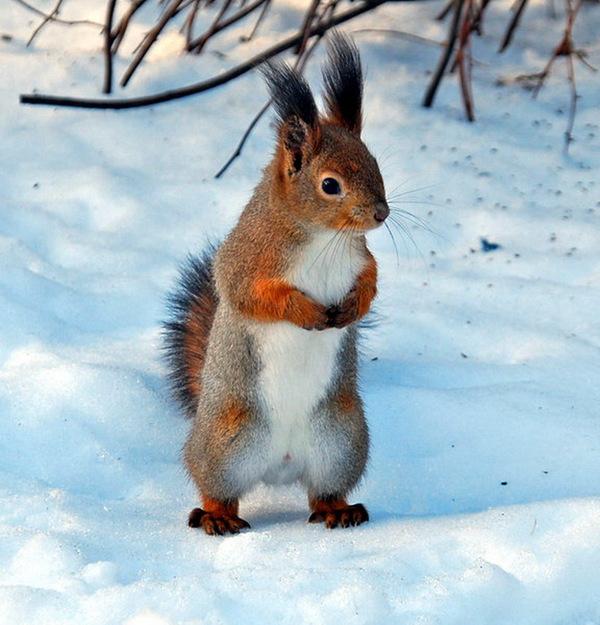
[{"x": 382, "y": 211}]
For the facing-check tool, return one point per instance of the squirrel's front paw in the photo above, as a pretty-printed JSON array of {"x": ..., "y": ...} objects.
[
  {"x": 216, "y": 524},
  {"x": 321, "y": 324},
  {"x": 304, "y": 312},
  {"x": 316, "y": 318},
  {"x": 343, "y": 314}
]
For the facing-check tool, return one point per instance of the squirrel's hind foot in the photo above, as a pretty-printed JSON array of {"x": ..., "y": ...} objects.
[
  {"x": 216, "y": 524},
  {"x": 339, "y": 516}
]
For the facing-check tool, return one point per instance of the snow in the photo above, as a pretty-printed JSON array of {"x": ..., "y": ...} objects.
[{"x": 481, "y": 379}]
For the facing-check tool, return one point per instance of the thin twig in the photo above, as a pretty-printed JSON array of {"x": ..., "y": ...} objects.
[
  {"x": 236, "y": 17},
  {"x": 564, "y": 48},
  {"x": 463, "y": 61},
  {"x": 402, "y": 35},
  {"x": 478, "y": 18},
  {"x": 149, "y": 40},
  {"x": 108, "y": 41},
  {"x": 188, "y": 26},
  {"x": 445, "y": 58},
  {"x": 306, "y": 25},
  {"x": 212, "y": 29},
  {"x": 240, "y": 146},
  {"x": 512, "y": 26},
  {"x": 567, "y": 49},
  {"x": 204, "y": 85},
  {"x": 573, "y": 102},
  {"x": 261, "y": 17},
  {"x": 119, "y": 32},
  {"x": 55, "y": 19},
  {"x": 441, "y": 16},
  {"x": 46, "y": 19}
]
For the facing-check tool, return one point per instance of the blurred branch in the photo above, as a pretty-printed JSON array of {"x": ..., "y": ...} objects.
[
  {"x": 261, "y": 17},
  {"x": 205, "y": 85},
  {"x": 466, "y": 18},
  {"x": 121, "y": 28},
  {"x": 445, "y": 58},
  {"x": 47, "y": 19},
  {"x": 402, "y": 35},
  {"x": 149, "y": 39},
  {"x": 56, "y": 19},
  {"x": 567, "y": 49},
  {"x": 512, "y": 26},
  {"x": 108, "y": 42},
  {"x": 236, "y": 17}
]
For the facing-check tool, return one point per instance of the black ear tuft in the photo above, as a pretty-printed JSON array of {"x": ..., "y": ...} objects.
[
  {"x": 342, "y": 76},
  {"x": 290, "y": 93}
]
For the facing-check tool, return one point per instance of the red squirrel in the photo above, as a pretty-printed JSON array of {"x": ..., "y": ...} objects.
[{"x": 263, "y": 341}]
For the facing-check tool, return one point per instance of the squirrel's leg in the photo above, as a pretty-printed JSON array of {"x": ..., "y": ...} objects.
[
  {"x": 213, "y": 447},
  {"x": 217, "y": 517},
  {"x": 335, "y": 511},
  {"x": 341, "y": 454}
]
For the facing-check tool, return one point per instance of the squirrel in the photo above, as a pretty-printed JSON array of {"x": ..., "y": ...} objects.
[{"x": 262, "y": 342}]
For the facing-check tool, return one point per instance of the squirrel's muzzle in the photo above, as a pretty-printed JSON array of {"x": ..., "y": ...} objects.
[{"x": 382, "y": 210}]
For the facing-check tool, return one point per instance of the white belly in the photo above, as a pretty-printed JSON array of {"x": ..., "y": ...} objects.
[
  {"x": 297, "y": 364},
  {"x": 297, "y": 368}
]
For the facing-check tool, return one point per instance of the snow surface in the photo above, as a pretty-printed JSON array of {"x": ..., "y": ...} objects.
[{"x": 481, "y": 380}]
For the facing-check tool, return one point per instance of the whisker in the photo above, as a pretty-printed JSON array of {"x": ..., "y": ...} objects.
[
  {"x": 425, "y": 188},
  {"x": 404, "y": 231},
  {"x": 394, "y": 243},
  {"x": 336, "y": 234},
  {"x": 415, "y": 220}
]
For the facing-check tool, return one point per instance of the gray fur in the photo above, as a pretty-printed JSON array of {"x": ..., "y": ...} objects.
[{"x": 226, "y": 468}]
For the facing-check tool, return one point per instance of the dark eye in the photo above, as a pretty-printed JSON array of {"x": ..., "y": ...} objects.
[{"x": 331, "y": 186}]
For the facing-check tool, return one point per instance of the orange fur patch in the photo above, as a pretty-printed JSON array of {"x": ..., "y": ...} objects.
[
  {"x": 271, "y": 298},
  {"x": 323, "y": 506},
  {"x": 366, "y": 287},
  {"x": 276, "y": 300},
  {"x": 347, "y": 401},
  {"x": 220, "y": 508},
  {"x": 231, "y": 419}
]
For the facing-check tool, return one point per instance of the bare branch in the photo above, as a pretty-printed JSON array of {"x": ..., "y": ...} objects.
[
  {"x": 512, "y": 26},
  {"x": 463, "y": 61},
  {"x": 236, "y": 17},
  {"x": 402, "y": 35},
  {"x": 212, "y": 29},
  {"x": 445, "y": 58},
  {"x": 46, "y": 19},
  {"x": 306, "y": 25},
  {"x": 149, "y": 40},
  {"x": 188, "y": 26},
  {"x": 261, "y": 17},
  {"x": 108, "y": 41},
  {"x": 205, "y": 85},
  {"x": 55, "y": 19},
  {"x": 119, "y": 32}
]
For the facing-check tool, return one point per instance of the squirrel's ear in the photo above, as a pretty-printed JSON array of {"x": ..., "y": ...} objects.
[
  {"x": 298, "y": 119},
  {"x": 343, "y": 81}
]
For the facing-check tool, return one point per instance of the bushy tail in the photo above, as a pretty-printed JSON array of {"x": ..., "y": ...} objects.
[{"x": 192, "y": 305}]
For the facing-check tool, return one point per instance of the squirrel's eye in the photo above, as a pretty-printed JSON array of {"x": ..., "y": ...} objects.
[{"x": 331, "y": 186}]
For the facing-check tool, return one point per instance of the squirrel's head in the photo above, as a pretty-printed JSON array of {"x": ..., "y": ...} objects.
[{"x": 324, "y": 171}]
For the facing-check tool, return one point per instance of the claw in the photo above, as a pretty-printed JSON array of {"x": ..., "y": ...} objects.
[
  {"x": 217, "y": 525},
  {"x": 343, "y": 517}
]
